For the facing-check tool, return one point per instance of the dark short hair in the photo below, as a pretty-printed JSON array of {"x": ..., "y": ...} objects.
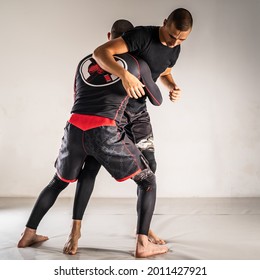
[
  {"x": 181, "y": 18},
  {"x": 119, "y": 27}
]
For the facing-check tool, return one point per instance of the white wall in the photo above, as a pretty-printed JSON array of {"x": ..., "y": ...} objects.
[{"x": 207, "y": 144}]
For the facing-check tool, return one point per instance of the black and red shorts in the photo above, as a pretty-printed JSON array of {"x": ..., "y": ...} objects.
[{"x": 86, "y": 135}]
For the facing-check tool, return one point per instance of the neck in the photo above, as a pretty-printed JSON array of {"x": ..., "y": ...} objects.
[{"x": 161, "y": 37}]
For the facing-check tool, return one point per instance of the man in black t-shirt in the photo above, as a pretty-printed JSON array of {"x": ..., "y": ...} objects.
[
  {"x": 136, "y": 124},
  {"x": 158, "y": 46},
  {"x": 92, "y": 132}
]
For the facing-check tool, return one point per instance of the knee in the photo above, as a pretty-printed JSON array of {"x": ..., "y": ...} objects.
[
  {"x": 57, "y": 183},
  {"x": 146, "y": 180}
]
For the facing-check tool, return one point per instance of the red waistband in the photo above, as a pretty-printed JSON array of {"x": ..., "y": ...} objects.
[{"x": 86, "y": 122}]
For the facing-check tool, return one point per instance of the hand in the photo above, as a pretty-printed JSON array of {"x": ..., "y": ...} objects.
[
  {"x": 133, "y": 86},
  {"x": 175, "y": 93}
]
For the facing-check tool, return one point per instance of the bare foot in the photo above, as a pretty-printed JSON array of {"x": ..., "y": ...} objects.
[
  {"x": 29, "y": 237},
  {"x": 154, "y": 238},
  {"x": 71, "y": 245},
  {"x": 145, "y": 249}
]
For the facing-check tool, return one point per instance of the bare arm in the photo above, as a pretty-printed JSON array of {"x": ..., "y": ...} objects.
[
  {"x": 104, "y": 57},
  {"x": 168, "y": 81}
]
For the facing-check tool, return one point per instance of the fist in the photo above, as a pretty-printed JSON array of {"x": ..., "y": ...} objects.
[{"x": 175, "y": 93}]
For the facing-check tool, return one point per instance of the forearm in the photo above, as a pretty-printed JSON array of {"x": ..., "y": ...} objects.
[
  {"x": 104, "y": 56},
  {"x": 167, "y": 81},
  {"x": 106, "y": 61}
]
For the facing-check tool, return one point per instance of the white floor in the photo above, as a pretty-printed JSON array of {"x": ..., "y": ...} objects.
[{"x": 194, "y": 228}]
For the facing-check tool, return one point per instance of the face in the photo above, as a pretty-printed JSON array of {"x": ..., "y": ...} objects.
[{"x": 172, "y": 37}]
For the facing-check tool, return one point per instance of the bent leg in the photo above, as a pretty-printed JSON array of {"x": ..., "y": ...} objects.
[
  {"x": 44, "y": 202},
  {"x": 85, "y": 186},
  {"x": 139, "y": 130},
  {"x": 123, "y": 160}
]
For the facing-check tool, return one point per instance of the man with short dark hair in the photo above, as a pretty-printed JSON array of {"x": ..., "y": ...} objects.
[
  {"x": 158, "y": 46},
  {"x": 119, "y": 27},
  {"x": 138, "y": 128},
  {"x": 92, "y": 134}
]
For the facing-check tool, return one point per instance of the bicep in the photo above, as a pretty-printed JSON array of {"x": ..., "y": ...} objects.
[{"x": 115, "y": 46}]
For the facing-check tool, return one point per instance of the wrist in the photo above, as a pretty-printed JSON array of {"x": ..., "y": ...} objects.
[{"x": 123, "y": 73}]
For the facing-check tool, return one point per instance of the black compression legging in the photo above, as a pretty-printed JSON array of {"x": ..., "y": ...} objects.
[
  {"x": 50, "y": 193},
  {"x": 146, "y": 200},
  {"x": 146, "y": 194},
  {"x": 45, "y": 201},
  {"x": 85, "y": 186},
  {"x": 86, "y": 181}
]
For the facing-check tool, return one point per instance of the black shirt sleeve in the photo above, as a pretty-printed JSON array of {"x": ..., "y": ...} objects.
[{"x": 175, "y": 57}]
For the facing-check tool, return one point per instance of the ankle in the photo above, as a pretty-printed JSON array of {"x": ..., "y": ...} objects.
[
  {"x": 76, "y": 224},
  {"x": 75, "y": 229},
  {"x": 142, "y": 239},
  {"x": 29, "y": 230}
]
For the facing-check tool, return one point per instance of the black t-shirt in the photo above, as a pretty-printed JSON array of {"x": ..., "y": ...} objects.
[
  {"x": 144, "y": 42},
  {"x": 100, "y": 93}
]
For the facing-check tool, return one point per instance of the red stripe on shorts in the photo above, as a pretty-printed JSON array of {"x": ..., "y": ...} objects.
[
  {"x": 86, "y": 122},
  {"x": 130, "y": 176},
  {"x": 65, "y": 180}
]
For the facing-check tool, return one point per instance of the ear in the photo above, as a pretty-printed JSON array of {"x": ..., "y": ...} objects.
[
  {"x": 164, "y": 22},
  {"x": 109, "y": 36}
]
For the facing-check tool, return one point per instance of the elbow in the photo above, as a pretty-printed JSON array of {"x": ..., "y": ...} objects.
[
  {"x": 97, "y": 52},
  {"x": 157, "y": 102},
  {"x": 156, "y": 97},
  {"x": 102, "y": 54}
]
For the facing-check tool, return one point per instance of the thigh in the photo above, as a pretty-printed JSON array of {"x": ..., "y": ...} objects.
[
  {"x": 91, "y": 166},
  {"x": 71, "y": 154},
  {"x": 115, "y": 151}
]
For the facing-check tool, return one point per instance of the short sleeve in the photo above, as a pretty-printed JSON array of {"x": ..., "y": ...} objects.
[{"x": 175, "y": 56}]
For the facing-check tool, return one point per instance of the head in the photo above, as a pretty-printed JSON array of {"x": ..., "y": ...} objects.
[
  {"x": 118, "y": 28},
  {"x": 176, "y": 28}
]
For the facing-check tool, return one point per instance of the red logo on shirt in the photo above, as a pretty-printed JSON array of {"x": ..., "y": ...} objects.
[{"x": 93, "y": 75}]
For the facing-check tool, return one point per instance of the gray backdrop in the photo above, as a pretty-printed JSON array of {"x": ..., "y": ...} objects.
[{"x": 207, "y": 144}]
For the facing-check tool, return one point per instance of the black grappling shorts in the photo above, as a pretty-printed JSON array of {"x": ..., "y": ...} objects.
[{"x": 107, "y": 144}]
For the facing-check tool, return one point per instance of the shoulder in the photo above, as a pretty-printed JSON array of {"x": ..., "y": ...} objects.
[
  {"x": 139, "y": 38},
  {"x": 140, "y": 31},
  {"x": 146, "y": 30}
]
